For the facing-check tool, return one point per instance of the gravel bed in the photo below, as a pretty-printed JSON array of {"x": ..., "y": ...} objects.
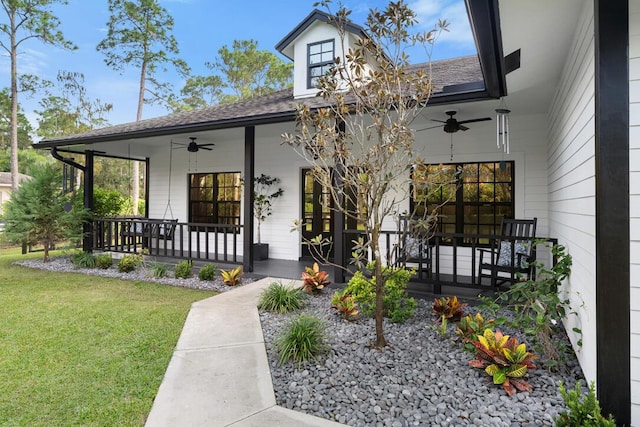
[
  {"x": 420, "y": 379},
  {"x": 142, "y": 273}
]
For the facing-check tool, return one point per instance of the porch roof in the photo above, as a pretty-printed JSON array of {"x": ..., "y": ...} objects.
[{"x": 453, "y": 78}]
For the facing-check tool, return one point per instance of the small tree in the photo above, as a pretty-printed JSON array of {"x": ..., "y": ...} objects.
[
  {"x": 362, "y": 140},
  {"x": 263, "y": 198},
  {"x": 36, "y": 211}
]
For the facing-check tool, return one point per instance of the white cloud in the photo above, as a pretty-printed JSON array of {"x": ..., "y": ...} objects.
[{"x": 454, "y": 12}]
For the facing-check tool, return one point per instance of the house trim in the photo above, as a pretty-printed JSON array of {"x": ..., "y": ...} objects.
[{"x": 611, "y": 27}]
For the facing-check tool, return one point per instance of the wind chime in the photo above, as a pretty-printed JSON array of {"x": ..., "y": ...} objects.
[{"x": 502, "y": 126}]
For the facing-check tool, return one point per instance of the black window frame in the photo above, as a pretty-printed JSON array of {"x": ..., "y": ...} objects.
[
  {"x": 457, "y": 206},
  {"x": 321, "y": 64},
  {"x": 213, "y": 214}
]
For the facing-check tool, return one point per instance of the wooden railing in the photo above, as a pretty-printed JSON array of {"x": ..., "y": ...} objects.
[
  {"x": 454, "y": 256},
  {"x": 169, "y": 238}
]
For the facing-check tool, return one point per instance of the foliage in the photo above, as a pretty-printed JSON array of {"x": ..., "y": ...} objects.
[
  {"x": 128, "y": 263},
  {"x": 448, "y": 308},
  {"x": 242, "y": 69},
  {"x": 314, "y": 279},
  {"x": 345, "y": 305},
  {"x": 503, "y": 359},
  {"x": 208, "y": 272},
  {"x": 29, "y": 160},
  {"x": 104, "y": 261},
  {"x": 279, "y": 298},
  {"x": 264, "y": 195},
  {"x": 36, "y": 211},
  {"x": 397, "y": 305},
  {"x": 107, "y": 203},
  {"x": 363, "y": 140},
  {"x": 24, "y": 126},
  {"x": 539, "y": 307},
  {"x": 159, "y": 270},
  {"x": 470, "y": 327},
  {"x": 84, "y": 260},
  {"x": 303, "y": 339},
  {"x": 584, "y": 411},
  {"x": 62, "y": 332},
  {"x": 26, "y": 20},
  {"x": 183, "y": 269},
  {"x": 231, "y": 277}
]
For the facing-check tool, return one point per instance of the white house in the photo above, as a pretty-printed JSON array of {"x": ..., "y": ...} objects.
[{"x": 570, "y": 73}]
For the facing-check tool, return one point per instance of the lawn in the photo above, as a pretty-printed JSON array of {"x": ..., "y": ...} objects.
[{"x": 83, "y": 350}]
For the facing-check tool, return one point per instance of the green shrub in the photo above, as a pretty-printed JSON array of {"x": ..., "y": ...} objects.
[
  {"x": 398, "y": 306},
  {"x": 184, "y": 269},
  {"x": 159, "y": 270},
  {"x": 84, "y": 260},
  {"x": 279, "y": 298},
  {"x": 107, "y": 203},
  {"x": 584, "y": 412},
  {"x": 303, "y": 339},
  {"x": 104, "y": 261},
  {"x": 208, "y": 272},
  {"x": 129, "y": 263}
]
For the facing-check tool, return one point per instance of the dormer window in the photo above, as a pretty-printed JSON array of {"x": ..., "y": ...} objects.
[{"x": 320, "y": 59}]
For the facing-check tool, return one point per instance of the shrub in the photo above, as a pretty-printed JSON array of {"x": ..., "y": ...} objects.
[
  {"x": 582, "y": 411},
  {"x": 448, "y": 308},
  {"x": 129, "y": 263},
  {"x": 159, "y": 270},
  {"x": 539, "y": 308},
  {"x": 84, "y": 260},
  {"x": 208, "y": 272},
  {"x": 184, "y": 269},
  {"x": 314, "y": 280},
  {"x": 231, "y": 277},
  {"x": 279, "y": 298},
  {"x": 346, "y": 305},
  {"x": 303, "y": 339},
  {"x": 504, "y": 360},
  {"x": 470, "y": 327},
  {"x": 398, "y": 306},
  {"x": 104, "y": 261}
]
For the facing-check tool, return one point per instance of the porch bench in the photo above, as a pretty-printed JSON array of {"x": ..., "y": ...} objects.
[
  {"x": 139, "y": 231},
  {"x": 415, "y": 248}
]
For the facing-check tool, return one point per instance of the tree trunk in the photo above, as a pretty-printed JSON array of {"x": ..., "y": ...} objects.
[
  {"x": 14, "y": 108},
  {"x": 259, "y": 231},
  {"x": 380, "y": 340},
  {"x": 135, "y": 190}
]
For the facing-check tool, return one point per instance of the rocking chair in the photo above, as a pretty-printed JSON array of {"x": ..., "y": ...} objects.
[{"x": 509, "y": 257}]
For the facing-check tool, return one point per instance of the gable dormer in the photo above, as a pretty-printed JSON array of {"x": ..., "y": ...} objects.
[{"x": 312, "y": 46}]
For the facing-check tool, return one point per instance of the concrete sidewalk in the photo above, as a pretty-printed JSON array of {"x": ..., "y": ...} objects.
[{"x": 219, "y": 373}]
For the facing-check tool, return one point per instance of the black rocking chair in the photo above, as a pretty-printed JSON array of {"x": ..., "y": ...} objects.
[{"x": 509, "y": 257}]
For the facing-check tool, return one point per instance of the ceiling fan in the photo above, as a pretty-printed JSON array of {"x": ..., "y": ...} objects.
[
  {"x": 194, "y": 147},
  {"x": 452, "y": 125}
]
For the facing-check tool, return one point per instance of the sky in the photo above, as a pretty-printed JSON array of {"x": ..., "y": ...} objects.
[{"x": 201, "y": 28}]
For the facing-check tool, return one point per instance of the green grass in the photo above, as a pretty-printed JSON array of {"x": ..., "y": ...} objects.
[{"x": 83, "y": 350}]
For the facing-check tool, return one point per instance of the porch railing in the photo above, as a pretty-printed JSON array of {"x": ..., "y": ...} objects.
[
  {"x": 169, "y": 238},
  {"x": 455, "y": 256}
]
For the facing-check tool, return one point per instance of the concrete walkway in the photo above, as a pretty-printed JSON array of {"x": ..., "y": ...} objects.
[{"x": 219, "y": 373}]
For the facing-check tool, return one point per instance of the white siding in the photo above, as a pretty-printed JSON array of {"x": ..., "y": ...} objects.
[
  {"x": 634, "y": 199},
  {"x": 572, "y": 182}
]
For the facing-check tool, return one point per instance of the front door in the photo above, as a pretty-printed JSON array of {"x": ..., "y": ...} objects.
[{"x": 317, "y": 213}]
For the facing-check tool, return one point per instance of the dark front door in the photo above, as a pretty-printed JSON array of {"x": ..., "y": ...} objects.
[{"x": 317, "y": 213}]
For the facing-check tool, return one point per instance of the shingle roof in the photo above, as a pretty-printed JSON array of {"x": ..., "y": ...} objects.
[{"x": 275, "y": 107}]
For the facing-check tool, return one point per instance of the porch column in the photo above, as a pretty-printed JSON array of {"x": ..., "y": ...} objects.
[
  {"x": 249, "y": 175},
  {"x": 87, "y": 227},
  {"x": 146, "y": 187},
  {"x": 611, "y": 21}
]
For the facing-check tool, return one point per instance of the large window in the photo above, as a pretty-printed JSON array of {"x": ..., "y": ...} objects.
[
  {"x": 467, "y": 198},
  {"x": 214, "y": 198},
  {"x": 321, "y": 59}
]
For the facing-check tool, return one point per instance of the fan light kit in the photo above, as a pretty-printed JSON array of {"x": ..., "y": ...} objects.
[{"x": 502, "y": 128}]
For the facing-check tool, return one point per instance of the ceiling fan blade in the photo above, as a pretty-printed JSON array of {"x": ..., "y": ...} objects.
[
  {"x": 432, "y": 127},
  {"x": 462, "y": 127},
  {"x": 439, "y": 121},
  {"x": 200, "y": 147},
  {"x": 483, "y": 119},
  {"x": 206, "y": 145}
]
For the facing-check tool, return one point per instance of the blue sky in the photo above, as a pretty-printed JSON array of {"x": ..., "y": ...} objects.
[{"x": 201, "y": 28}]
